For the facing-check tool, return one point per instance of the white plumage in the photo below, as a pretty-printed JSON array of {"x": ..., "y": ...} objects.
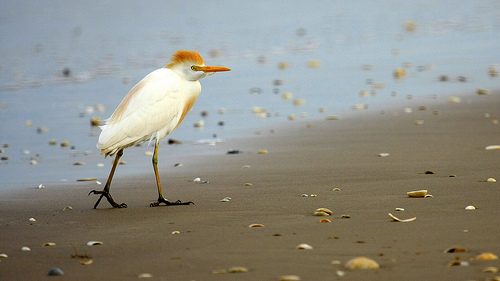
[{"x": 152, "y": 109}]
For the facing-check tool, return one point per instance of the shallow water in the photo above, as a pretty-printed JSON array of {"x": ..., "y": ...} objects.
[{"x": 105, "y": 44}]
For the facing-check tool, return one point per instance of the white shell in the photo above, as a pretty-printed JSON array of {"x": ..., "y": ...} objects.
[
  {"x": 176, "y": 232},
  {"x": 491, "y": 180},
  {"x": 145, "y": 275},
  {"x": 93, "y": 243},
  {"x": 4, "y": 256},
  {"x": 32, "y": 219},
  {"x": 383, "y": 154},
  {"x": 400, "y": 220},
  {"x": 400, "y": 209},
  {"x": 470, "y": 207},
  {"x": 304, "y": 246},
  {"x": 256, "y": 225},
  {"x": 361, "y": 263},
  {"x": 492, "y": 147},
  {"x": 323, "y": 212},
  {"x": 417, "y": 193},
  {"x": 25, "y": 249}
]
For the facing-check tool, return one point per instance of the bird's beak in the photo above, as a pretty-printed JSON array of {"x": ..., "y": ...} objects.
[{"x": 212, "y": 68}]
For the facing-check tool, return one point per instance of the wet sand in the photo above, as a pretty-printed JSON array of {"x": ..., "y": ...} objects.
[{"x": 214, "y": 235}]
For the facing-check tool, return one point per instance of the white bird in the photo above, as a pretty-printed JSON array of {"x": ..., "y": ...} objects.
[{"x": 151, "y": 110}]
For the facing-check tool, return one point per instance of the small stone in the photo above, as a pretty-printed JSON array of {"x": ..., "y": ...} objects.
[{"x": 55, "y": 271}]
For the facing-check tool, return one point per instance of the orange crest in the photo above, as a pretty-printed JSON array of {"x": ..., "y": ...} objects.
[{"x": 183, "y": 56}]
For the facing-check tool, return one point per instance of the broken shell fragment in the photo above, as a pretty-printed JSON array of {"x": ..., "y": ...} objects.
[
  {"x": 94, "y": 243},
  {"x": 256, "y": 225},
  {"x": 417, "y": 193},
  {"x": 323, "y": 212},
  {"x": 491, "y": 269},
  {"x": 458, "y": 263},
  {"x": 470, "y": 207},
  {"x": 176, "y": 232},
  {"x": 289, "y": 278},
  {"x": 145, "y": 275},
  {"x": 304, "y": 246},
  {"x": 400, "y": 209},
  {"x": 456, "y": 249},
  {"x": 383, "y": 154},
  {"x": 492, "y": 147},
  {"x": 86, "y": 262},
  {"x": 400, "y": 220},
  {"x": 486, "y": 256},
  {"x": 237, "y": 269},
  {"x": 491, "y": 180},
  {"x": 336, "y": 189},
  {"x": 48, "y": 244},
  {"x": 361, "y": 263},
  {"x": 3, "y": 256},
  {"x": 324, "y": 221}
]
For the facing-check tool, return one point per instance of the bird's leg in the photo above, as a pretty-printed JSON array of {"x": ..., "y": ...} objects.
[
  {"x": 105, "y": 191},
  {"x": 162, "y": 199}
]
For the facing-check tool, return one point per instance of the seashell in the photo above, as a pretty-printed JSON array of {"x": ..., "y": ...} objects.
[
  {"x": 492, "y": 147},
  {"x": 79, "y": 164},
  {"x": 145, "y": 275},
  {"x": 361, "y": 263},
  {"x": 41, "y": 186},
  {"x": 470, "y": 207},
  {"x": 98, "y": 182},
  {"x": 289, "y": 278},
  {"x": 419, "y": 122},
  {"x": 291, "y": 117},
  {"x": 332, "y": 117},
  {"x": 264, "y": 151},
  {"x": 197, "y": 180},
  {"x": 482, "y": 91},
  {"x": 68, "y": 208},
  {"x": 25, "y": 249},
  {"x": 491, "y": 180},
  {"x": 408, "y": 110},
  {"x": 325, "y": 220},
  {"x": 3, "y": 256},
  {"x": 48, "y": 244},
  {"x": 33, "y": 162},
  {"x": 248, "y": 184},
  {"x": 304, "y": 247},
  {"x": 454, "y": 100},
  {"x": 400, "y": 209},
  {"x": 323, "y": 212},
  {"x": 87, "y": 179},
  {"x": 314, "y": 63},
  {"x": 283, "y": 65},
  {"x": 32, "y": 219},
  {"x": 491, "y": 269},
  {"x": 256, "y": 225},
  {"x": 340, "y": 273},
  {"x": 86, "y": 262},
  {"x": 314, "y": 195},
  {"x": 286, "y": 95},
  {"x": 486, "y": 256},
  {"x": 458, "y": 263},
  {"x": 423, "y": 107},
  {"x": 148, "y": 153},
  {"x": 456, "y": 249},
  {"x": 304, "y": 195},
  {"x": 55, "y": 271},
  {"x": 95, "y": 121},
  {"x": 199, "y": 124},
  {"x": 399, "y": 73},
  {"x": 400, "y": 220},
  {"x": 495, "y": 121},
  {"x": 383, "y": 154},
  {"x": 436, "y": 112},
  {"x": 336, "y": 189},
  {"x": 417, "y": 193},
  {"x": 345, "y": 217},
  {"x": 237, "y": 269},
  {"x": 429, "y": 173},
  {"x": 225, "y": 199},
  {"x": 94, "y": 243},
  {"x": 64, "y": 143},
  {"x": 100, "y": 165},
  {"x": 176, "y": 232}
]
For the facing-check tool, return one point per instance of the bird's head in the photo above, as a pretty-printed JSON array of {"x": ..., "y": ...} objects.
[{"x": 190, "y": 65}]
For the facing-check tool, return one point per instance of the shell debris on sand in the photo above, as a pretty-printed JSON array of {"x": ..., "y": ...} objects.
[
  {"x": 456, "y": 249},
  {"x": 304, "y": 246},
  {"x": 256, "y": 225},
  {"x": 25, "y": 249},
  {"x": 486, "y": 256},
  {"x": 325, "y": 221},
  {"x": 48, "y": 244},
  {"x": 470, "y": 207},
  {"x": 361, "y": 263},
  {"x": 237, "y": 269},
  {"x": 323, "y": 212},
  {"x": 94, "y": 243},
  {"x": 400, "y": 220},
  {"x": 418, "y": 193},
  {"x": 491, "y": 269},
  {"x": 491, "y": 180},
  {"x": 289, "y": 278},
  {"x": 493, "y": 147}
]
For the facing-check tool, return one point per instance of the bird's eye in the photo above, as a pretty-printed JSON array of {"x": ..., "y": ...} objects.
[{"x": 193, "y": 67}]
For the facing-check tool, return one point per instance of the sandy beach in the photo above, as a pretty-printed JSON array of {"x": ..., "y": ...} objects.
[{"x": 215, "y": 236}]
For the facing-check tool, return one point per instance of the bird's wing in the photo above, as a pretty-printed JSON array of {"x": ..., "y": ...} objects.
[{"x": 153, "y": 104}]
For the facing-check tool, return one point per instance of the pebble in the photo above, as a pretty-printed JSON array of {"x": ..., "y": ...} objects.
[{"x": 55, "y": 271}]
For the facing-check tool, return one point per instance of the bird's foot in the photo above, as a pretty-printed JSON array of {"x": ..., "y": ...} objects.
[
  {"x": 168, "y": 203},
  {"x": 108, "y": 196}
]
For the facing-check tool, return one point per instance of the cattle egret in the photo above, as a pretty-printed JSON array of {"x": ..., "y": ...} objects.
[{"x": 150, "y": 111}]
